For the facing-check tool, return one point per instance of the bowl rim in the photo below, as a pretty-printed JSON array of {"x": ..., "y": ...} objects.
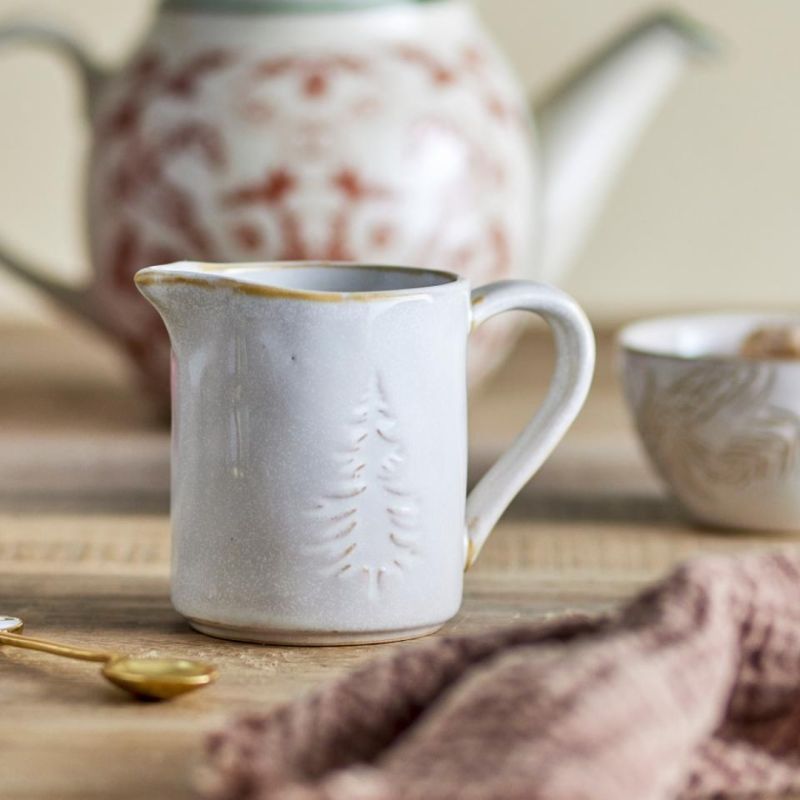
[{"x": 624, "y": 336}]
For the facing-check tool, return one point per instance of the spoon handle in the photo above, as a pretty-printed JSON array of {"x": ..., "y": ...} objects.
[{"x": 26, "y": 642}]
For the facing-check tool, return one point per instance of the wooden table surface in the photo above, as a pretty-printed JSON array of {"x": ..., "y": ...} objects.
[{"x": 84, "y": 557}]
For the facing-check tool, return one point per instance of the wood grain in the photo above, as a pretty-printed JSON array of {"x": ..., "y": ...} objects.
[{"x": 84, "y": 557}]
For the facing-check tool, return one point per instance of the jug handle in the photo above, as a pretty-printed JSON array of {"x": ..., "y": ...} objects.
[
  {"x": 569, "y": 386},
  {"x": 92, "y": 76}
]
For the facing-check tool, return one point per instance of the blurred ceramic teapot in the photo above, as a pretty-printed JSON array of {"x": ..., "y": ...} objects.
[{"x": 390, "y": 131}]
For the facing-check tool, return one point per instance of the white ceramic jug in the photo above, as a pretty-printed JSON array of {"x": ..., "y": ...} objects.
[
  {"x": 389, "y": 131},
  {"x": 320, "y": 443}
]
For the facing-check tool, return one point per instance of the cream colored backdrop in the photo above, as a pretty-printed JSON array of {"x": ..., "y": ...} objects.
[{"x": 706, "y": 215}]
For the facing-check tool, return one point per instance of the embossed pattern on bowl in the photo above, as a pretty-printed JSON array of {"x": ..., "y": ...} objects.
[{"x": 722, "y": 431}]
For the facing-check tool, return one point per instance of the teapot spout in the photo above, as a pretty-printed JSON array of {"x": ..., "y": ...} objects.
[{"x": 591, "y": 121}]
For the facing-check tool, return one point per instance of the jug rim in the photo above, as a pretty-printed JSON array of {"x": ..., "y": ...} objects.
[
  {"x": 283, "y": 6},
  {"x": 220, "y": 276}
]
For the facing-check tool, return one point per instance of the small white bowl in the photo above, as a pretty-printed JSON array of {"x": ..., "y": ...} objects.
[{"x": 723, "y": 431}]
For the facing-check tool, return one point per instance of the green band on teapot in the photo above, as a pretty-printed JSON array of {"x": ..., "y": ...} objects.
[{"x": 280, "y": 6}]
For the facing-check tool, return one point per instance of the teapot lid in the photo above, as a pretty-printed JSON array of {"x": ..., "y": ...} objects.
[{"x": 277, "y": 6}]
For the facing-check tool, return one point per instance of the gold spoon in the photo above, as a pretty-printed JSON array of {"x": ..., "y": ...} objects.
[{"x": 145, "y": 678}]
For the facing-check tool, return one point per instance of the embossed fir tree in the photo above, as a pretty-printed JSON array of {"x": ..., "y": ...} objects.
[{"x": 369, "y": 519}]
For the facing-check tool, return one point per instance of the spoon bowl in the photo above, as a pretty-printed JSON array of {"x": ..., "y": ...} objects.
[{"x": 158, "y": 678}]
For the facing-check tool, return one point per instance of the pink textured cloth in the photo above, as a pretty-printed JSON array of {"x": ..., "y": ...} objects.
[{"x": 690, "y": 691}]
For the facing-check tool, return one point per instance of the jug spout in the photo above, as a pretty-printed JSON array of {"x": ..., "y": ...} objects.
[
  {"x": 591, "y": 121},
  {"x": 172, "y": 290},
  {"x": 157, "y": 285}
]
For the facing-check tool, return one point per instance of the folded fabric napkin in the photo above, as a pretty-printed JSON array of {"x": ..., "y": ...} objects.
[{"x": 691, "y": 691}]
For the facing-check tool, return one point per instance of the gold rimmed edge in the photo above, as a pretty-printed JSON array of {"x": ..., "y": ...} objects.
[{"x": 155, "y": 275}]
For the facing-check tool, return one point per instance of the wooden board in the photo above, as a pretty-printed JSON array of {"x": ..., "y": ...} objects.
[{"x": 84, "y": 557}]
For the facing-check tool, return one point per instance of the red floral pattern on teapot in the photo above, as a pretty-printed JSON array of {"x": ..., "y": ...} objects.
[{"x": 220, "y": 155}]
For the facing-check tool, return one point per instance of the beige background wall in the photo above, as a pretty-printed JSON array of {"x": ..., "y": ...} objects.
[{"x": 707, "y": 214}]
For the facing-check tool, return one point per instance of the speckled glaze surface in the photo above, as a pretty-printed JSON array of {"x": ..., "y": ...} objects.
[
  {"x": 320, "y": 443},
  {"x": 722, "y": 431}
]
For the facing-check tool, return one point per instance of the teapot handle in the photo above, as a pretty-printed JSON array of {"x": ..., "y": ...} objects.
[{"x": 76, "y": 299}]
